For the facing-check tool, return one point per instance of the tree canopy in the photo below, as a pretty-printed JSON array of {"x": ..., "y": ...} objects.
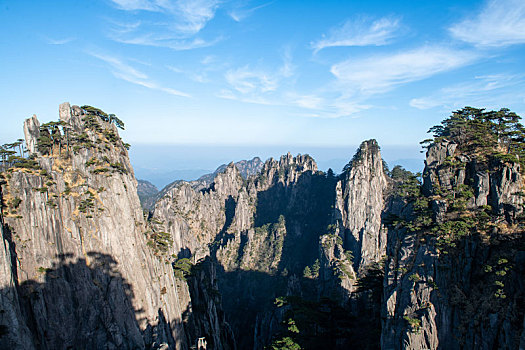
[
  {"x": 498, "y": 134},
  {"x": 109, "y": 118}
]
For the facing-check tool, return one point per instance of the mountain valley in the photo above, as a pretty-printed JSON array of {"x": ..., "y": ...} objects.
[{"x": 271, "y": 254}]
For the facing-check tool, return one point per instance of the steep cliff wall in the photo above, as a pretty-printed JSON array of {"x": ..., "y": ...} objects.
[
  {"x": 360, "y": 200},
  {"x": 258, "y": 230},
  {"x": 288, "y": 231},
  {"x": 357, "y": 238},
  {"x": 224, "y": 216},
  {"x": 454, "y": 273},
  {"x": 14, "y": 333},
  {"x": 77, "y": 269}
]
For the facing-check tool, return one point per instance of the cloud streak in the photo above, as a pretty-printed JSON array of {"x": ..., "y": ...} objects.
[
  {"x": 177, "y": 25},
  {"x": 133, "y": 5},
  {"x": 58, "y": 41},
  {"x": 126, "y": 72},
  {"x": 160, "y": 40},
  {"x": 194, "y": 14},
  {"x": 361, "y": 32},
  {"x": 248, "y": 81},
  {"x": 499, "y": 23},
  {"x": 241, "y": 13},
  {"x": 378, "y": 74},
  {"x": 481, "y": 91}
]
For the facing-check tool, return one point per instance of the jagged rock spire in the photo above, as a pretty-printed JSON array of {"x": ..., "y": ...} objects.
[
  {"x": 359, "y": 204},
  {"x": 31, "y": 133}
]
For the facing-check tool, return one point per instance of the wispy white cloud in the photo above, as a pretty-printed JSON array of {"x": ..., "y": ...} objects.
[
  {"x": 209, "y": 66},
  {"x": 481, "y": 91},
  {"x": 499, "y": 23},
  {"x": 126, "y": 72},
  {"x": 377, "y": 74},
  {"x": 194, "y": 14},
  {"x": 277, "y": 88},
  {"x": 288, "y": 68},
  {"x": 181, "y": 21},
  {"x": 190, "y": 16},
  {"x": 316, "y": 106},
  {"x": 255, "y": 99},
  {"x": 360, "y": 32},
  {"x": 345, "y": 107},
  {"x": 131, "y": 5},
  {"x": 162, "y": 40},
  {"x": 306, "y": 105},
  {"x": 248, "y": 81},
  {"x": 59, "y": 41},
  {"x": 240, "y": 13},
  {"x": 209, "y": 59},
  {"x": 174, "y": 69},
  {"x": 121, "y": 28},
  {"x": 308, "y": 101},
  {"x": 258, "y": 81},
  {"x": 259, "y": 87}
]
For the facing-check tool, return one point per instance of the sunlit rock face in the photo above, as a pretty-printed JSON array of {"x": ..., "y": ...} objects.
[
  {"x": 265, "y": 229},
  {"x": 76, "y": 268},
  {"x": 360, "y": 201}
]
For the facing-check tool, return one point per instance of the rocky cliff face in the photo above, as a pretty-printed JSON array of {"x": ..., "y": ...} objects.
[
  {"x": 226, "y": 210},
  {"x": 360, "y": 201},
  {"x": 14, "y": 332},
  {"x": 247, "y": 168},
  {"x": 242, "y": 224},
  {"x": 265, "y": 230},
  {"x": 288, "y": 255},
  {"x": 77, "y": 270},
  {"x": 459, "y": 282}
]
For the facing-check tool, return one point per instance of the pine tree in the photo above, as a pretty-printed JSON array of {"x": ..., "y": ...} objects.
[
  {"x": 315, "y": 268},
  {"x": 307, "y": 273}
]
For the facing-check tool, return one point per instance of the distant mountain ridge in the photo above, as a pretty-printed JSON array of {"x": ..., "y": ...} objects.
[
  {"x": 149, "y": 194},
  {"x": 246, "y": 168}
]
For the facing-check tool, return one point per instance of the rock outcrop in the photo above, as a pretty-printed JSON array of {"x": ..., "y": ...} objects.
[
  {"x": 265, "y": 230},
  {"x": 454, "y": 289},
  {"x": 76, "y": 268},
  {"x": 31, "y": 133},
  {"x": 360, "y": 201},
  {"x": 14, "y": 333},
  {"x": 246, "y": 168}
]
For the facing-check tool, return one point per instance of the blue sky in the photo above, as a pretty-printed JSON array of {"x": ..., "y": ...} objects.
[{"x": 262, "y": 73}]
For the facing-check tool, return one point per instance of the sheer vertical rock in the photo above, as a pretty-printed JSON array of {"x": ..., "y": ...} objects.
[
  {"x": 447, "y": 294},
  {"x": 31, "y": 133},
  {"x": 75, "y": 247},
  {"x": 360, "y": 201}
]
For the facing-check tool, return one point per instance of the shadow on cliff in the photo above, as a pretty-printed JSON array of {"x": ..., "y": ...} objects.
[
  {"x": 306, "y": 207},
  {"x": 482, "y": 283},
  {"x": 249, "y": 299},
  {"x": 204, "y": 317},
  {"x": 477, "y": 288},
  {"x": 83, "y": 303}
]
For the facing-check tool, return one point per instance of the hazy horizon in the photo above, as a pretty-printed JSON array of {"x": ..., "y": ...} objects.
[{"x": 163, "y": 164}]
